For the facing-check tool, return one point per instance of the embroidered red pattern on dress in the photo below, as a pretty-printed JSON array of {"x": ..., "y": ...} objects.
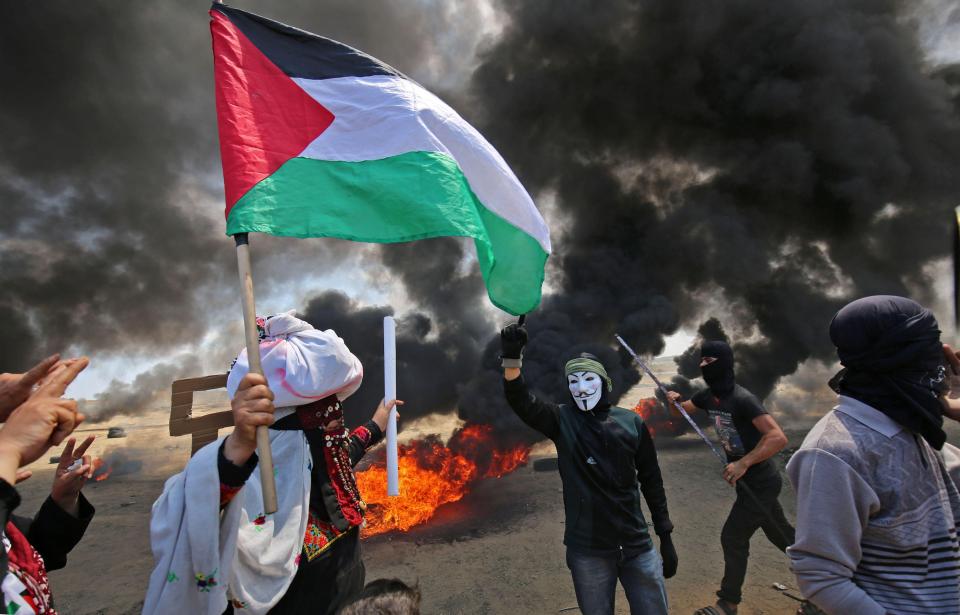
[
  {"x": 336, "y": 452},
  {"x": 363, "y": 434},
  {"x": 318, "y": 537}
]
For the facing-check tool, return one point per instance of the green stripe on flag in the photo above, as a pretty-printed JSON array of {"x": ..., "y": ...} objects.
[{"x": 412, "y": 196}]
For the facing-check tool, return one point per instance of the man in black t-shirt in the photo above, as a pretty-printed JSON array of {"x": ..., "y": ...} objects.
[{"x": 750, "y": 436}]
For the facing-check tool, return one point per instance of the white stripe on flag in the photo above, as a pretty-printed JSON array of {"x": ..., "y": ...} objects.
[{"x": 383, "y": 116}]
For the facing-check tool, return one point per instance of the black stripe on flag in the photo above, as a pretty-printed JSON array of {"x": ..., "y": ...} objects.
[{"x": 302, "y": 54}]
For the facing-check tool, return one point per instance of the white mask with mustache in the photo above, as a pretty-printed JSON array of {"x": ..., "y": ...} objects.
[{"x": 586, "y": 389}]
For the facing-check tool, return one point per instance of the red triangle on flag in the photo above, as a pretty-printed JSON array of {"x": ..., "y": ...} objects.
[{"x": 264, "y": 118}]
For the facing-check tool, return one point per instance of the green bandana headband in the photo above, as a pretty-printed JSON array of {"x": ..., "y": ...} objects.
[{"x": 582, "y": 364}]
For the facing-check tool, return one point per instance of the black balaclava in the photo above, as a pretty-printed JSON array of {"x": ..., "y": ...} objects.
[
  {"x": 719, "y": 374},
  {"x": 893, "y": 361}
]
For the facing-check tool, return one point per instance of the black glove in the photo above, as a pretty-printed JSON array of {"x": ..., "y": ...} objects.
[
  {"x": 669, "y": 556},
  {"x": 513, "y": 338}
]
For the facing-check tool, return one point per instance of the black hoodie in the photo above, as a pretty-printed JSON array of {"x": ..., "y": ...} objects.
[{"x": 603, "y": 455}]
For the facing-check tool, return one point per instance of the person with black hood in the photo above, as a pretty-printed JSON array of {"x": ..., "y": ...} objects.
[
  {"x": 877, "y": 505},
  {"x": 750, "y": 437},
  {"x": 604, "y": 453}
]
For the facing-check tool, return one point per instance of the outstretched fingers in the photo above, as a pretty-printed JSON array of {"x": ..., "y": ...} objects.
[
  {"x": 82, "y": 449},
  {"x": 66, "y": 457},
  {"x": 56, "y": 385},
  {"x": 38, "y": 371}
]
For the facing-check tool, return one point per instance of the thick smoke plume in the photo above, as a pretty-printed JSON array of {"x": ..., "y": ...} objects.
[
  {"x": 813, "y": 154},
  {"x": 431, "y": 359},
  {"x": 101, "y": 170},
  {"x": 778, "y": 159},
  {"x": 111, "y": 237},
  {"x": 127, "y": 398}
]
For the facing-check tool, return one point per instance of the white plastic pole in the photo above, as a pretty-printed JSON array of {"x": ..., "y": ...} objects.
[{"x": 389, "y": 393}]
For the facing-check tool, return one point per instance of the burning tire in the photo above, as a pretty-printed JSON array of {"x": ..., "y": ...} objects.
[{"x": 550, "y": 464}]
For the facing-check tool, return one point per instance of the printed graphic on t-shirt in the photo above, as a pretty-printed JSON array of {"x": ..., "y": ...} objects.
[{"x": 727, "y": 432}]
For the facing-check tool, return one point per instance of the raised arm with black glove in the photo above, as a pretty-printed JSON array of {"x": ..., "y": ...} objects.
[
  {"x": 513, "y": 338},
  {"x": 536, "y": 413}
]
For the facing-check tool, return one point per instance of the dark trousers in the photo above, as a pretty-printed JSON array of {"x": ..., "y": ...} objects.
[{"x": 746, "y": 517}]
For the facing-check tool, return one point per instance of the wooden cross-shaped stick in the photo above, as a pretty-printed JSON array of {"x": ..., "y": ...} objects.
[{"x": 202, "y": 428}]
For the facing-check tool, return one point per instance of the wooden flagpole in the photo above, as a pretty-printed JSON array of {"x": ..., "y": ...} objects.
[{"x": 253, "y": 356}]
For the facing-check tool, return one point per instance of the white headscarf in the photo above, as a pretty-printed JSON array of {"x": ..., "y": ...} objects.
[{"x": 301, "y": 364}]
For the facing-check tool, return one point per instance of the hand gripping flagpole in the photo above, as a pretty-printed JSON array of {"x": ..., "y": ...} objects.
[
  {"x": 703, "y": 436},
  {"x": 267, "y": 481}
]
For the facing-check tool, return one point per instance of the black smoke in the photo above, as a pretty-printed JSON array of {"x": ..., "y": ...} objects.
[
  {"x": 431, "y": 357},
  {"x": 130, "y": 397},
  {"x": 111, "y": 238},
  {"x": 779, "y": 159},
  {"x": 102, "y": 234},
  {"x": 812, "y": 153}
]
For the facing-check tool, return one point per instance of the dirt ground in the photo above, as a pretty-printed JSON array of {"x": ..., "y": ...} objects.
[{"x": 498, "y": 550}]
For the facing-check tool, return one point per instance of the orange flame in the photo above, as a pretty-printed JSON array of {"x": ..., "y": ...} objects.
[
  {"x": 476, "y": 442},
  {"x": 658, "y": 419},
  {"x": 432, "y": 475},
  {"x": 101, "y": 470}
]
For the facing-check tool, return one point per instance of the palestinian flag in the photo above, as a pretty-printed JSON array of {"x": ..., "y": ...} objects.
[{"x": 321, "y": 140}]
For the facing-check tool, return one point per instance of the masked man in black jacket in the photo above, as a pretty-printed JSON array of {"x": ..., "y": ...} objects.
[{"x": 604, "y": 453}]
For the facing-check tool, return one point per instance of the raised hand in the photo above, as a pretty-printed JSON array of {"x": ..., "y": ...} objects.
[
  {"x": 513, "y": 338},
  {"x": 44, "y": 420},
  {"x": 382, "y": 413},
  {"x": 67, "y": 483},
  {"x": 16, "y": 388}
]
